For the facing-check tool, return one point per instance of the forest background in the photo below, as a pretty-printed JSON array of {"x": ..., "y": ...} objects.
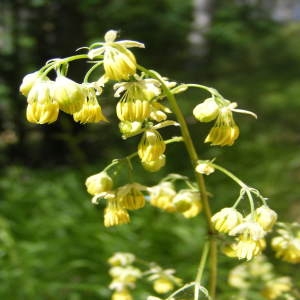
[{"x": 52, "y": 241}]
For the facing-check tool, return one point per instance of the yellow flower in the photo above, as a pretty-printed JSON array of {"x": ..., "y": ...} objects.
[
  {"x": 238, "y": 277},
  {"x": 158, "y": 112},
  {"x": 119, "y": 62},
  {"x": 114, "y": 214},
  {"x": 204, "y": 167},
  {"x": 265, "y": 217},
  {"x": 155, "y": 165},
  {"x": 98, "y": 183},
  {"x": 125, "y": 275},
  {"x": 122, "y": 295},
  {"x": 133, "y": 110},
  {"x": 28, "y": 82},
  {"x": 121, "y": 259},
  {"x": 130, "y": 196},
  {"x": 135, "y": 101},
  {"x": 206, "y": 111},
  {"x": 151, "y": 146},
  {"x": 185, "y": 200},
  {"x": 287, "y": 248},
  {"x": 69, "y": 94},
  {"x": 245, "y": 248},
  {"x": 163, "y": 285},
  {"x": 226, "y": 219},
  {"x": 42, "y": 113},
  {"x": 162, "y": 195},
  {"x": 90, "y": 111},
  {"x": 276, "y": 287},
  {"x": 41, "y": 107},
  {"x": 248, "y": 230},
  {"x": 194, "y": 210},
  {"x": 225, "y": 131}
]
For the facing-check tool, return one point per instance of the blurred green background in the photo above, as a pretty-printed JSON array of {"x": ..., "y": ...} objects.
[{"x": 52, "y": 241}]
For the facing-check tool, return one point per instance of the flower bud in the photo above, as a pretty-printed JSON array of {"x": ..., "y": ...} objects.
[
  {"x": 99, "y": 183},
  {"x": 265, "y": 217},
  {"x": 28, "y": 82},
  {"x": 204, "y": 167},
  {"x": 206, "y": 111},
  {"x": 226, "y": 219},
  {"x": 163, "y": 285},
  {"x": 151, "y": 146},
  {"x": 121, "y": 295},
  {"x": 162, "y": 195},
  {"x": 69, "y": 94}
]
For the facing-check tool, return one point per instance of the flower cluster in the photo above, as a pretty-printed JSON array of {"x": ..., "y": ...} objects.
[
  {"x": 249, "y": 231},
  {"x": 225, "y": 131},
  {"x": 127, "y": 197},
  {"x": 287, "y": 244},
  {"x": 125, "y": 273},
  {"x": 46, "y": 98},
  {"x": 185, "y": 201},
  {"x": 258, "y": 275},
  {"x": 132, "y": 196}
]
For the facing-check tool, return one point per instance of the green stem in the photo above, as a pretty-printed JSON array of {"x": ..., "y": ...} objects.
[
  {"x": 244, "y": 186},
  {"x": 199, "y": 177},
  {"x": 201, "y": 270},
  {"x": 231, "y": 175}
]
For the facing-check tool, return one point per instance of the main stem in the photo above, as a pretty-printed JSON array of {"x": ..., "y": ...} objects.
[{"x": 199, "y": 178}]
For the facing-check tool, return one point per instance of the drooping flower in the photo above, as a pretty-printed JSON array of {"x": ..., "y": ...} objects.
[
  {"x": 90, "y": 111},
  {"x": 99, "y": 183},
  {"x": 69, "y": 94},
  {"x": 28, "y": 82},
  {"x": 245, "y": 248},
  {"x": 225, "y": 131},
  {"x": 162, "y": 195},
  {"x": 163, "y": 285},
  {"x": 41, "y": 108},
  {"x": 151, "y": 146},
  {"x": 204, "y": 167},
  {"x": 119, "y": 62},
  {"x": 114, "y": 214},
  {"x": 265, "y": 217},
  {"x": 122, "y": 295},
  {"x": 276, "y": 287},
  {"x": 121, "y": 259},
  {"x": 130, "y": 196},
  {"x": 135, "y": 100},
  {"x": 206, "y": 111},
  {"x": 226, "y": 219},
  {"x": 287, "y": 248}
]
